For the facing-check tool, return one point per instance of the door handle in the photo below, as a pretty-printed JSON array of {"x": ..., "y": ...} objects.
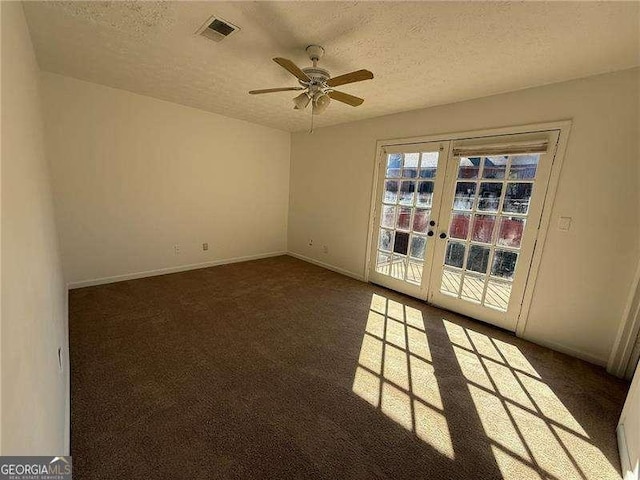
[{"x": 443, "y": 235}]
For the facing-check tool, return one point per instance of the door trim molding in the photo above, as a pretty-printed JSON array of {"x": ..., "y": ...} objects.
[
  {"x": 623, "y": 449},
  {"x": 543, "y": 229},
  {"x": 469, "y": 134},
  {"x": 562, "y": 126},
  {"x": 623, "y": 348}
]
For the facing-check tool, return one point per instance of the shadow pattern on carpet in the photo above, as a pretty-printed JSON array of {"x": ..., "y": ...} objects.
[{"x": 278, "y": 369}]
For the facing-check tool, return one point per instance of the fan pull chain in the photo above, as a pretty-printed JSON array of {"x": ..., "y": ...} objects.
[{"x": 312, "y": 107}]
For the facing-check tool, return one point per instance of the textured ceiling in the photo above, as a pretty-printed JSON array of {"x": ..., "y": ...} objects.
[{"x": 422, "y": 53}]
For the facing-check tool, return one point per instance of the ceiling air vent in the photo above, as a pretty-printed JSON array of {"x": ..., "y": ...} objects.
[{"x": 216, "y": 29}]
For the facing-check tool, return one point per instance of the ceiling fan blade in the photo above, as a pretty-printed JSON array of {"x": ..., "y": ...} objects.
[
  {"x": 270, "y": 90},
  {"x": 292, "y": 68},
  {"x": 346, "y": 98},
  {"x": 352, "y": 77}
]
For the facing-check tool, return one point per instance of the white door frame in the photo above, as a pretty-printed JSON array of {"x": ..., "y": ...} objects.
[
  {"x": 624, "y": 354},
  {"x": 563, "y": 126}
]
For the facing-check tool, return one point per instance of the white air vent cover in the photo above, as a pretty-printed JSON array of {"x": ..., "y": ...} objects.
[{"x": 217, "y": 29}]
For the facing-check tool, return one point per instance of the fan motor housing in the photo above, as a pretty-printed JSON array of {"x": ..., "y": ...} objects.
[{"x": 317, "y": 75}]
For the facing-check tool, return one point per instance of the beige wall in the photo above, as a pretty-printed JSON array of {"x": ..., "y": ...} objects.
[
  {"x": 35, "y": 398},
  {"x": 585, "y": 273},
  {"x": 134, "y": 176}
]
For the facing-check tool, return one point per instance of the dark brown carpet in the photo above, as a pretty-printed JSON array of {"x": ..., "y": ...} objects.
[{"x": 263, "y": 370}]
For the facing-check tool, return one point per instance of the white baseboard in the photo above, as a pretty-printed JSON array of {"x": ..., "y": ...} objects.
[
  {"x": 164, "y": 271},
  {"x": 328, "y": 266},
  {"x": 183, "y": 268},
  {"x": 588, "y": 357},
  {"x": 554, "y": 346}
]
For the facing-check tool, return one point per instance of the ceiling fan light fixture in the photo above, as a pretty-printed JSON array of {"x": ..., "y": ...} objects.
[
  {"x": 301, "y": 101},
  {"x": 320, "y": 103},
  {"x": 317, "y": 84}
]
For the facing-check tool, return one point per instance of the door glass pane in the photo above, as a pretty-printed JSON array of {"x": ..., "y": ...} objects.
[
  {"x": 469, "y": 167},
  {"x": 472, "y": 288},
  {"x": 504, "y": 264},
  {"x": 390, "y": 191},
  {"x": 407, "y": 190},
  {"x": 383, "y": 263},
  {"x": 523, "y": 167},
  {"x": 459, "y": 225},
  {"x": 394, "y": 160},
  {"x": 464, "y": 196},
  {"x": 398, "y": 267},
  {"x": 511, "y": 229},
  {"x": 483, "y": 228},
  {"x": 487, "y": 222},
  {"x": 411, "y": 161},
  {"x": 414, "y": 272},
  {"x": 429, "y": 164},
  {"x": 394, "y": 165},
  {"x": 385, "y": 240},
  {"x": 455, "y": 254},
  {"x": 409, "y": 172},
  {"x": 401, "y": 243},
  {"x": 421, "y": 220},
  {"x": 494, "y": 167},
  {"x": 425, "y": 194},
  {"x": 489, "y": 197},
  {"x": 450, "y": 282},
  {"x": 478, "y": 258},
  {"x": 418, "y": 245},
  {"x": 517, "y": 198},
  {"x": 404, "y": 218},
  {"x": 497, "y": 295},
  {"x": 405, "y": 212},
  {"x": 388, "y": 218}
]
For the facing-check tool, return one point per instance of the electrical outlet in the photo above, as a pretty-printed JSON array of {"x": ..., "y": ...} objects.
[
  {"x": 325, "y": 249},
  {"x": 311, "y": 242},
  {"x": 176, "y": 249},
  {"x": 205, "y": 247}
]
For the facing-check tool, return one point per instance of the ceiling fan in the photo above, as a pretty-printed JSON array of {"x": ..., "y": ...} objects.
[{"x": 317, "y": 83}]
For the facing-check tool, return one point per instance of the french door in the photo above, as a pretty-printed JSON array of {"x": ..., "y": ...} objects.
[
  {"x": 410, "y": 193},
  {"x": 456, "y": 222}
]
